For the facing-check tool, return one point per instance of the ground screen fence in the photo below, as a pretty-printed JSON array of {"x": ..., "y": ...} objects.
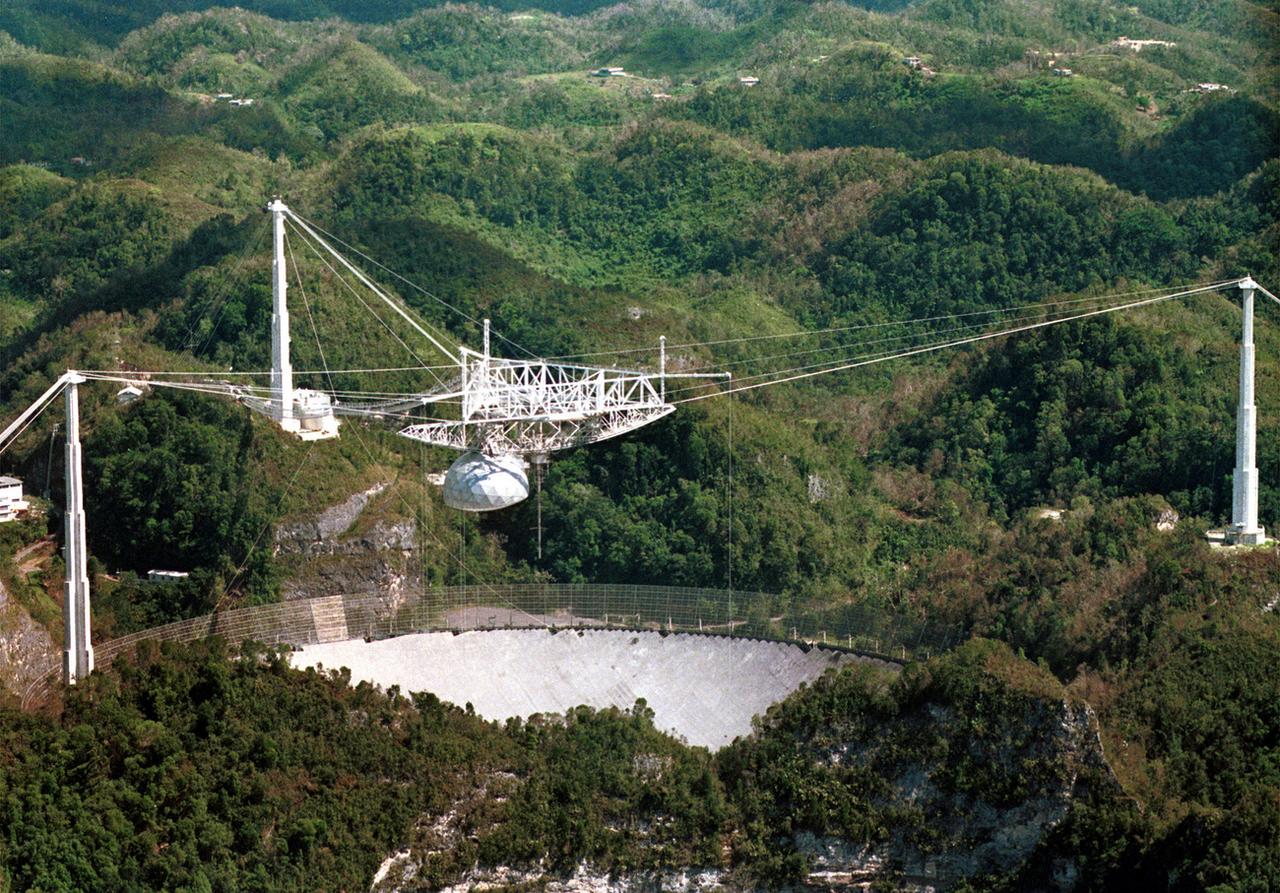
[{"x": 863, "y": 628}]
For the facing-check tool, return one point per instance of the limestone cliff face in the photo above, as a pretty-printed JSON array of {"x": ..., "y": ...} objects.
[
  {"x": 958, "y": 802},
  {"x": 334, "y": 554},
  {"x": 317, "y": 535},
  {"x": 951, "y": 830},
  {"x": 27, "y": 650}
]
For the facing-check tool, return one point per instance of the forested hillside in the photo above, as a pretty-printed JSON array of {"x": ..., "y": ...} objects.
[{"x": 963, "y": 165}]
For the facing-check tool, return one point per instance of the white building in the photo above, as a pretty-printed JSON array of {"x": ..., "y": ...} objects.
[
  {"x": 610, "y": 71},
  {"x": 11, "y": 501},
  {"x": 1139, "y": 45},
  {"x": 749, "y": 81},
  {"x": 314, "y": 412},
  {"x": 160, "y": 576},
  {"x": 128, "y": 394}
]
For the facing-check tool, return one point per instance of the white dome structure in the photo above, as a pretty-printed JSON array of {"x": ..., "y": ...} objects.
[{"x": 480, "y": 483}]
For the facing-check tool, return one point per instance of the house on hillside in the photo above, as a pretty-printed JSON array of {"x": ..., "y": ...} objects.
[
  {"x": 241, "y": 102},
  {"x": 11, "y": 502},
  {"x": 1211, "y": 88},
  {"x": 1064, "y": 72},
  {"x": 1138, "y": 46},
  {"x": 915, "y": 63},
  {"x": 130, "y": 393},
  {"x": 155, "y": 575},
  {"x": 748, "y": 81},
  {"x": 609, "y": 71}
]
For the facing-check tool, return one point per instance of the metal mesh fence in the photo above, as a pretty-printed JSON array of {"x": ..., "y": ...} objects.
[{"x": 863, "y": 628}]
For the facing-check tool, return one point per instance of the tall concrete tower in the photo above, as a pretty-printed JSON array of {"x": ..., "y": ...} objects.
[
  {"x": 300, "y": 411},
  {"x": 78, "y": 650},
  {"x": 282, "y": 396},
  {"x": 1244, "y": 528}
]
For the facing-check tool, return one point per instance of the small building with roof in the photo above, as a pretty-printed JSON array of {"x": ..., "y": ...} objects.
[
  {"x": 12, "y": 503},
  {"x": 1138, "y": 45}
]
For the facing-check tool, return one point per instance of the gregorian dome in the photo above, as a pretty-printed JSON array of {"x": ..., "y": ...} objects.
[{"x": 479, "y": 483}]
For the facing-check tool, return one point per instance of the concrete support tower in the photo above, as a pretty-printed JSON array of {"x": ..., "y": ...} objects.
[
  {"x": 1244, "y": 528},
  {"x": 78, "y": 653},
  {"x": 282, "y": 396}
]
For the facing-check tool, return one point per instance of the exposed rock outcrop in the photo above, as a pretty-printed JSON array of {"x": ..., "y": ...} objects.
[
  {"x": 952, "y": 779},
  {"x": 967, "y": 833},
  {"x": 316, "y": 536},
  {"x": 591, "y": 880},
  {"x": 435, "y": 835},
  {"x": 332, "y": 554},
  {"x": 27, "y": 650}
]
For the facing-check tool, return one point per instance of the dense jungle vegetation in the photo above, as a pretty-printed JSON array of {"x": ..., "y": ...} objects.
[
  {"x": 466, "y": 148},
  {"x": 185, "y": 770}
]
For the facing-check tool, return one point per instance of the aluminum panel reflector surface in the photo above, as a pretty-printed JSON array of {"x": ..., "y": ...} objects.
[{"x": 705, "y": 689}]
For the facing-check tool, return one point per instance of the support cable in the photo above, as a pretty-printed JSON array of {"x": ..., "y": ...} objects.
[
  {"x": 823, "y": 365},
  {"x": 857, "y": 345},
  {"x": 538, "y": 468},
  {"x": 383, "y": 322},
  {"x": 1267, "y": 293},
  {"x": 48, "y": 463},
  {"x": 904, "y": 322},
  {"x": 20, "y": 430},
  {"x": 369, "y": 284},
  {"x": 39, "y": 405},
  {"x": 261, "y": 393},
  {"x": 882, "y": 353},
  {"x": 297, "y": 275},
  {"x": 953, "y": 343},
  {"x": 218, "y": 298},
  {"x": 235, "y": 578},
  {"x": 266, "y": 373},
  {"x": 441, "y": 301}
]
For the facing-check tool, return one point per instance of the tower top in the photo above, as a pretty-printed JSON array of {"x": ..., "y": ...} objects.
[{"x": 1247, "y": 283}]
